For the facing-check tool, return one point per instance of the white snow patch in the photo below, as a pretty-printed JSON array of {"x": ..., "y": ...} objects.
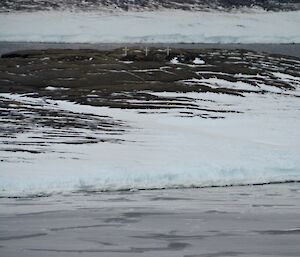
[
  {"x": 126, "y": 62},
  {"x": 217, "y": 83},
  {"x": 50, "y": 88},
  {"x": 286, "y": 77},
  {"x": 214, "y": 82},
  {"x": 174, "y": 60},
  {"x": 268, "y": 88},
  {"x": 198, "y": 61}
]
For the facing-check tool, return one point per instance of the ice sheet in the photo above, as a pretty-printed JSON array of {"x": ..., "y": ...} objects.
[{"x": 169, "y": 26}]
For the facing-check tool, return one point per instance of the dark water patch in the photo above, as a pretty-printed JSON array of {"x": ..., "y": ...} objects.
[
  {"x": 172, "y": 237},
  {"x": 26, "y": 204},
  {"x": 89, "y": 209},
  {"x": 120, "y": 220},
  {"x": 176, "y": 246},
  {"x": 169, "y": 199},
  {"x": 279, "y": 232},
  {"x": 81, "y": 250},
  {"x": 84, "y": 227},
  {"x": 99, "y": 242},
  {"x": 105, "y": 243},
  {"x": 224, "y": 234},
  {"x": 218, "y": 254},
  {"x": 273, "y": 194},
  {"x": 217, "y": 212},
  {"x": 6, "y": 238},
  {"x": 120, "y": 199},
  {"x": 143, "y": 214},
  {"x": 272, "y": 205},
  {"x": 42, "y": 213}
]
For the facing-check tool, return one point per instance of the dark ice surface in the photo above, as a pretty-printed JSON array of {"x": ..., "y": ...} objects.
[
  {"x": 284, "y": 49},
  {"x": 210, "y": 222}
]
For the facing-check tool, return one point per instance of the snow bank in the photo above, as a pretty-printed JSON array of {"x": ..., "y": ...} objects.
[{"x": 160, "y": 26}]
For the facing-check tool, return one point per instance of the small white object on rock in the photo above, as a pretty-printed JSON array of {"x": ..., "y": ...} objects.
[
  {"x": 174, "y": 60},
  {"x": 198, "y": 61}
]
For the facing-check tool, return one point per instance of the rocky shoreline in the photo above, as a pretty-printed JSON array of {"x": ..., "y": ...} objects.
[{"x": 140, "y": 5}]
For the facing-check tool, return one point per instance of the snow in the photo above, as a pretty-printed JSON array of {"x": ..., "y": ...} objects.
[
  {"x": 220, "y": 83},
  {"x": 50, "y": 88},
  {"x": 167, "y": 150},
  {"x": 126, "y": 62},
  {"x": 198, "y": 61},
  {"x": 174, "y": 60},
  {"x": 269, "y": 88},
  {"x": 164, "y": 26},
  {"x": 286, "y": 77}
]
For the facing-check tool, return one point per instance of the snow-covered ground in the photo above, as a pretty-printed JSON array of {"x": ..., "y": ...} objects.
[
  {"x": 167, "y": 149},
  {"x": 232, "y": 117},
  {"x": 252, "y": 26}
]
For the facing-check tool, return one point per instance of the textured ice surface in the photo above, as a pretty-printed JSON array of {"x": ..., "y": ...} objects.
[
  {"x": 238, "y": 221},
  {"x": 168, "y": 26}
]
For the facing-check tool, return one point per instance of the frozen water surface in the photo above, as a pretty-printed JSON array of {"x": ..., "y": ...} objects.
[
  {"x": 253, "y": 221},
  {"x": 169, "y": 26}
]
